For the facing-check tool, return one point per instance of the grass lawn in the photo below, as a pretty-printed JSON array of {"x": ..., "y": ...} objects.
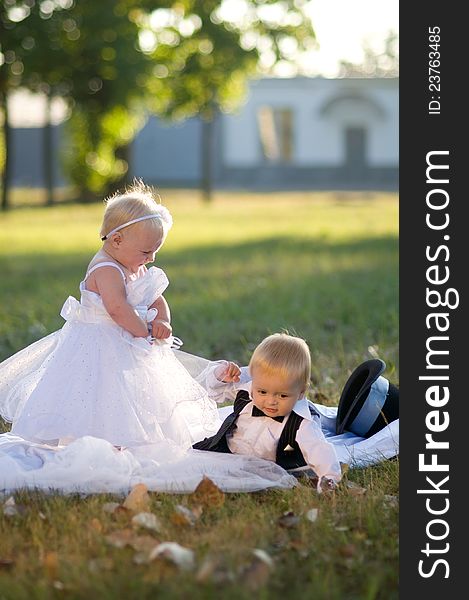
[{"x": 321, "y": 265}]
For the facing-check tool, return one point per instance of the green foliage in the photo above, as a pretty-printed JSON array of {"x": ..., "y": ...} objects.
[
  {"x": 179, "y": 58},
  {"x": 90, "y": 156}
]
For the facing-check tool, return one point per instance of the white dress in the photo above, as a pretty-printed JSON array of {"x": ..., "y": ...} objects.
[
  {"x": 93, "y": 378},
  {"x": 75, "y": 395}
]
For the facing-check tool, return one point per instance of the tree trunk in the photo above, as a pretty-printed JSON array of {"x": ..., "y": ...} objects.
[
  {"x": 47, "y": 152},
  {"x": 122, "y": 153},
  {"x": 207, "y": 158},
  {"x": 6, "y": 175}
]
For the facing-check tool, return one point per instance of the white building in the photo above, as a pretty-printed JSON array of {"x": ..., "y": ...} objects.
[{"x": 290, "y": 133}]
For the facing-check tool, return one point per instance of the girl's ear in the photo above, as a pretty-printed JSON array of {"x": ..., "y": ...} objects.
[{"x": 116, "y": 239}]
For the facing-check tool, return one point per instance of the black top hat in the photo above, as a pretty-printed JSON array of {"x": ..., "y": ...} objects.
[{"x": 368, "y": 401}]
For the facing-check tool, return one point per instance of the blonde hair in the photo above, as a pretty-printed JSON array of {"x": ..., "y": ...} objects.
[
  {"x": 284, "y": 354},
  {"x": 138, "y": 200}
]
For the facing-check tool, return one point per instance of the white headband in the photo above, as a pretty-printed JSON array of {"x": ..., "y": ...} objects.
[{"x": 131, "y": 223}]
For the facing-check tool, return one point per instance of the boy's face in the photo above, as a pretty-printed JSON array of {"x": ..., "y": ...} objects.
[{"x": 275, "y": 394}]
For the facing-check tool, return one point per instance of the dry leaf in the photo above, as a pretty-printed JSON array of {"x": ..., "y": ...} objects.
[
  {"x": 138, "y": 499},
  {"x": 181, "y": 557},
  {"x": 98, "y": 565},
  {"x": 390, "y": 501},
  {"x": 51, "y": 565},
  {"x": 207, "y": 494},
  {"x": 143, "y": 543},
  {"x": 11, "y": 509},
  {"x": 147, "y": 520},
  {"x": 213, "y": 570},
  {"x": 121, "y": 538},
  {"x": 354, "y": 489},
  {"x": 299, "y": 546},
  {"x": 348, "y": 550},
  {"x": 312, "y": 514},
  {"x": 111, "y": 507},
  {"x": 263, "y": 556},
  {"x": 257, "y": 574},
  {"x": 6, "y": 563},
  {"x": 207, "y": 570},
  {"x": 183, "y": 516},
  {"x": 344, "y": 468},
  {"x": 58, "y": 585},
  {"x": 96, "y": 525},
  {"x": 288, "y": 520}
]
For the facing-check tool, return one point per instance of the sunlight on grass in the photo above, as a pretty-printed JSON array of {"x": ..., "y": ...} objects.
[
  {"x": 229, "y": 220},
  {"x": 322, "y": 265}
]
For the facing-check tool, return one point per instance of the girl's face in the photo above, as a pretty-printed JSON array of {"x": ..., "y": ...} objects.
[
  {"x": 136, "y": 247},
  {"x": 275, "y": 394}
]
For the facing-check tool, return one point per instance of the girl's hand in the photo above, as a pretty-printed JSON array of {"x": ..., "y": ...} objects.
[
  {"x": 230, "y": 373},
  {"x": 161, "y": 329}
]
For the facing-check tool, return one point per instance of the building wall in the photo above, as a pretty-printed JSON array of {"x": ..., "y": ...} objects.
[
  {"x": 318, "y": 139},
  {"x": 344, "y": 133}
]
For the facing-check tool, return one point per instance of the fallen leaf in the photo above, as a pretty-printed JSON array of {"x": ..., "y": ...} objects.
[
  {"x": 147, "y": 520},
  {"x": 51, "y": 565},
  {"x": 111, "y": 507},
  {"x": 263, "y": 556},
  {"x": 96, "y": 525},
  {"x": 348, "y": 550},
  {"x": 176, "y": 554},
  {"x": 288, "y": 520},
  {"x": 121, "y": 538},
  {"x": 257, "y": 573},
  {"x": 138, "y": 499},
  {"x": 207, "y": 570},
  {"x": 212, "y": 570},
  {"x": 390, "y": 501},
  {"x": 207, "y": 494},
  {"x": 299, "y": 546},
  {"x": 58, "y": 585},
  {"x": 143, "y": 543},
  {"x": 354, "y": 489},
  {"x": 6, "y": 563},
  {"x": 312, "y": 514},
  {"x": 11, "y": 509},
  {"x": 183, "y": 516},
  {"x": 98, "y": 565},
  {"x": 344, "y": 468}
]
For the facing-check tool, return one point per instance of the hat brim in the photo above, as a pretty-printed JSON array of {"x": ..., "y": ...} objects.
[{"x": 356, "y": 391}]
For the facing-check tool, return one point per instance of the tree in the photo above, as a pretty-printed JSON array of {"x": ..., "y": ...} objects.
[
  {"x": 186, "y": 58},
  {"x": 376, "y": 63},
  {"x": 88, "y": 55},
  {"x": 205, "y": 51},
  {"x": 11, "y": 69}
]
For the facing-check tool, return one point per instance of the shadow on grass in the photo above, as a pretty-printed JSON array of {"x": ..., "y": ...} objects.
[{"x": 341, "y": 297}]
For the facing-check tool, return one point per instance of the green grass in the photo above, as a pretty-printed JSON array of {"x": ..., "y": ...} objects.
[{"x": 321, "y": 265}]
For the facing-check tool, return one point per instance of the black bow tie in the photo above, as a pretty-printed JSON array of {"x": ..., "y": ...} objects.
[{"x": 256, "y": 412}]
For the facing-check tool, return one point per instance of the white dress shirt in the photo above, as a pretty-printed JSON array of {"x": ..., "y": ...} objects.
[{"x": 259, "y": 436}]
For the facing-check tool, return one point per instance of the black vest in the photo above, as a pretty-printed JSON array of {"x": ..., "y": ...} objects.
[{"x": 288, "y": 459}]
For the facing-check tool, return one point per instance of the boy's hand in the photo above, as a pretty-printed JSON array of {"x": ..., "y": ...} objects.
[
  {"x": 161, "y": 329},
  {"x": 230, "y": 373}
]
